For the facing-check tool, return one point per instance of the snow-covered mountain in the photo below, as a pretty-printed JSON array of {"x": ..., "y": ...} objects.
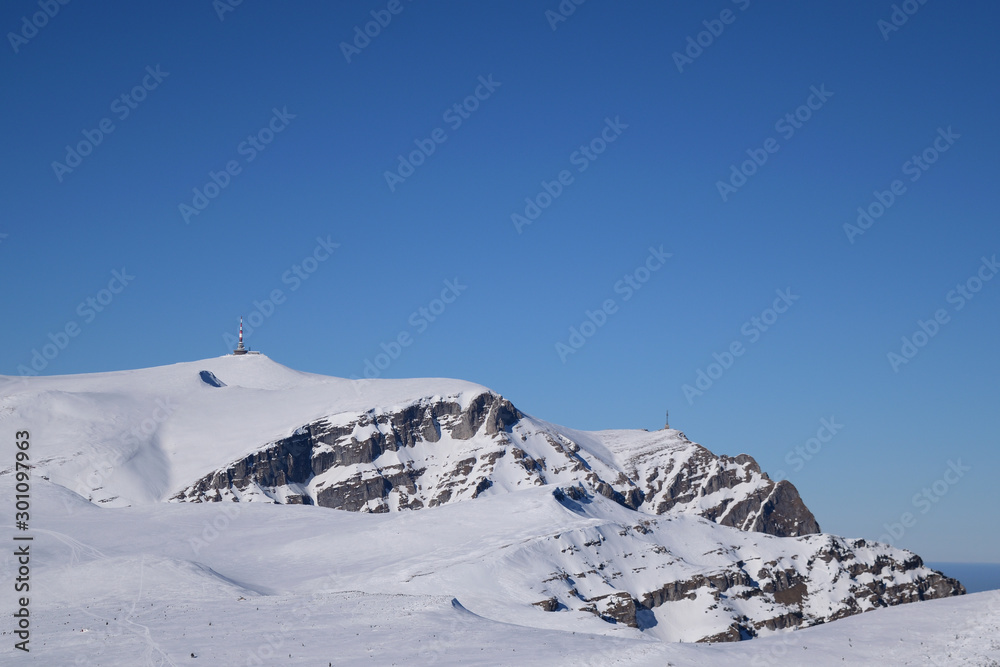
[
  {"x": 449, "y": 490},
  {"x": 440, "y": 449}
]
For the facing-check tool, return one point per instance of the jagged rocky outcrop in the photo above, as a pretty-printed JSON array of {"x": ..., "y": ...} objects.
[
  {"x": 741, "y": 589},
  {"x": 347, "y": 465},
  {"x": 773, "y": 508},
  {"x": 738, "y": 493},
  {"x": 644, "y": 530},
  {"x": 438, "y": 450}
]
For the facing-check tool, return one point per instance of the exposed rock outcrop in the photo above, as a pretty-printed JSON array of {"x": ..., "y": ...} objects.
[
  {"x": 450, "y": 449},
  {"x": 769, "y": 507},
  {"x": 817, "y": 579},
  {"x": 439, "y": 450}
]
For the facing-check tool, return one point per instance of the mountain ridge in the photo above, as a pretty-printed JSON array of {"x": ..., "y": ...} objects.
[{"x": 644, "y": 528}]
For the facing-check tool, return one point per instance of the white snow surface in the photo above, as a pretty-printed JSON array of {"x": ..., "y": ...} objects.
[
  {"x": 143, "y": 434},
  {"x": 247, "y": 584},
  {"x": 131, "y": 580}
]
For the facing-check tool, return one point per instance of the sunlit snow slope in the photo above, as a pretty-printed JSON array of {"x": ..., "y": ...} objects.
[{"x": 222, "y": 475}]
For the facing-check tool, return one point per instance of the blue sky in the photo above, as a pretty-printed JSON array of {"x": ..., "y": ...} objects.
[{"x": 641, "y": 139}]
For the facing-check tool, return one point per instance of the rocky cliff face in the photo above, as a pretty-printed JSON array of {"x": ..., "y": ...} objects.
[
  {"x": 436, "y": 451},
  {"x": 741, "y": 495},
  {"x": 719, "y": 588},
  {"x": 441, "y": 450},
  {"x": 643, "y": 529}
]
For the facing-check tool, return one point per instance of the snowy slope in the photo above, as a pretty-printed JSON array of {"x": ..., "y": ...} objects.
[
  {"x": 135, "y": 436},
  {"x": 636, "y": 535},
  {"x": 235, "y": 584}
]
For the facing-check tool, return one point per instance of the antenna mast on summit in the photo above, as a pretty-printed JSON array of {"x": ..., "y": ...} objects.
[{"x": 239, "y": 348}]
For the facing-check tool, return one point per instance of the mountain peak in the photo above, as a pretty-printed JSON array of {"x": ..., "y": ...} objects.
[{"x": 245, "y": 428}]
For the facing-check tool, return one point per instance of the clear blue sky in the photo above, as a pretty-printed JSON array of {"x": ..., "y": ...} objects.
[{"x": 608, "y": 69}]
